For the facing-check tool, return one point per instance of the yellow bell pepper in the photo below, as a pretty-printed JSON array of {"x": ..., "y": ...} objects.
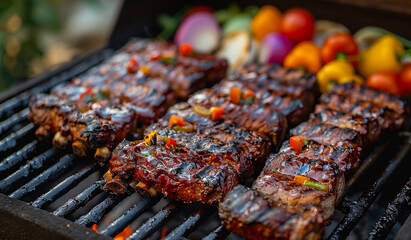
[
  {"x": 304, "y": 55},
  {"x": 337, "y": 71},
  {"x": 382, "y": 56}
]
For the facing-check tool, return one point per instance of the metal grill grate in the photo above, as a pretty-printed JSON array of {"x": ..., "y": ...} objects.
[{"x": 70, "y": 187}]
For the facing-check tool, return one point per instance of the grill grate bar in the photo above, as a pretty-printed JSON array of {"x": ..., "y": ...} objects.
[
  {"x": 50, "y": 174},
  {"x": 80, "y": 200},
  {"x": 219, "y": 233},
  {"x": 28, "y": 169},
  {"x": 18, "y": 157},
  {"x": 63, "y": 187},
  {"x": 359, "y": 207},
  {"x": 16, "y": 138},
  {"x": 367, "y": 164},
  {"x": 345, "y": 206},
  {"x": 16, "y": 118},
  {"x": 95, "y": 214},
  {"x": 391, "y": 214},
  {"x": 191, "y": 223},
  {"x": 20, "y": 101},
  {"x": 128, "y": 217},
  {"x": 155, "y": 222}
]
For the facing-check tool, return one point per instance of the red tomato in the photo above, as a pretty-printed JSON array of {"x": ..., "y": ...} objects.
[
  {"x": 406, "y": 78},
  {"x": 385, "y": 81},
  {"x": 199, "y": 8},
  {"x": 297, "y": 25}
]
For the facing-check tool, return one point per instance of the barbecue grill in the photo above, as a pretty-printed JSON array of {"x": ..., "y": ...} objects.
[{"x": 47, "y": 192}]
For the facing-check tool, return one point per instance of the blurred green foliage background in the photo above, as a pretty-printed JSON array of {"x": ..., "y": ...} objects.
[{"x": 38, "y": 35}]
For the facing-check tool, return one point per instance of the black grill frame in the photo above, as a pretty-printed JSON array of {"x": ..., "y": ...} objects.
[{"x": 18, "y": 144}]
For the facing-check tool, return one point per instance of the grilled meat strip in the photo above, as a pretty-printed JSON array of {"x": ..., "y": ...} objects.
[
  {"x": 251, "y": 116},
  {"x": 369, "y": 129},
  {"x": 388, "y": 119},
  {"x": 246, "y": 212},
  {"x": 145, "y": 77},
  {"x": 317, "y": 170},
  {"x": 179, "y": 174},
  {"x": 254, "y": 145},
  {"x": 264, "y": 74},
  {"x": 326, "y": 134},
  {"x": 240, "y": 156},
  {"x": 187, "y": 74},
  {"x": 295, "y": 107},
  {"x": 382, "y": 98},
  {"x": 346, "y": 157},
  {"x": 282, "y": 189}
]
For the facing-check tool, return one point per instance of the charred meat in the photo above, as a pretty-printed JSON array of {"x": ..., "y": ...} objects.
[
  {"x": 143, "y": 79},
  {"x": 254, "y": 216}
]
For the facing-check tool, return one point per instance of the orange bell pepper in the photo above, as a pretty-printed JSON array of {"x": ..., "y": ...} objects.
[{"x": 305, "y": 55}]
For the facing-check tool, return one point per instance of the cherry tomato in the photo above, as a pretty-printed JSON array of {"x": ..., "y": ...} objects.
[
  {"x": 406, "y": 78},
  {"x": 197, "y": 9},
  {"x": 385, "y": 81},
  {"x": 297, "y": 25},
  {"x": 339, "y": 43}
]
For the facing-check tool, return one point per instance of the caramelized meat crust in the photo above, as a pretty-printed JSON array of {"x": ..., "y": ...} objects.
[
  {"x": 251, "y": 116},
  {"x": 246, "y": 212},
  {"x": 181, "y": 174},
  {"x": 137, "y": 79}
]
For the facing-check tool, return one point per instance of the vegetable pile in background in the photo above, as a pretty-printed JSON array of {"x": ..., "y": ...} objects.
[{"x": 294, "y": 39}]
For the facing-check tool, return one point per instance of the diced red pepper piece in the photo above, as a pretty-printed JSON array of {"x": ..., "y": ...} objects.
[
  {"x": 176, "y": 121},
  {"x": 297, "y": 143},
  {"x": 248, "y": 94},
  {"x": 171, "y": 143},
  {"x": 235, "y": 94},
  {"x": 186, "y": 49},
  {"x": 132, "y": 66},
  {"x": 85, "y": 93},
  {"x": 216, "y": 113},
  {"x": 154, "y": 56}
]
